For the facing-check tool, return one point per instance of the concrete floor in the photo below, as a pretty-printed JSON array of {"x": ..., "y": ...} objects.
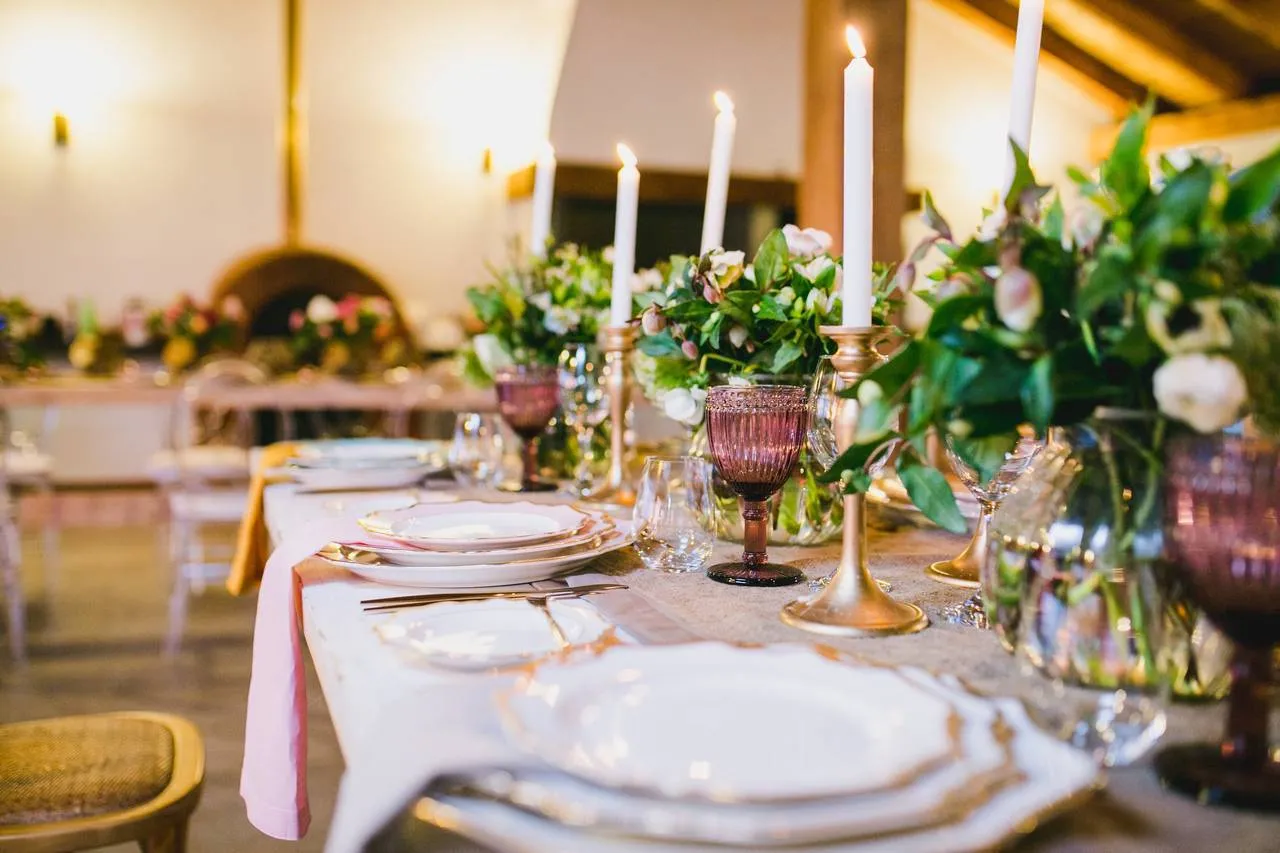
[{"x": 95, "y": 646}]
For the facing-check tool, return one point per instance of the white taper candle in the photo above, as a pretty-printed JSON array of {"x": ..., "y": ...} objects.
[
  {"x": 544, "y": 182},
  {"x": 859, "y": 88},
  {"x": 718, "y": 175},
  {"x": 624, "y": 237}
]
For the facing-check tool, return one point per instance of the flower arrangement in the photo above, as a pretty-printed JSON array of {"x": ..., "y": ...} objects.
[
  {"x": 191, "y": 332},
  {"x": 347, "y": 336},
  {"x": 530, "y": 310},
  {"x": 718, "y": 315},
  {"x": 19, "y": 329},
  {"x": 1159, "y": 296}
]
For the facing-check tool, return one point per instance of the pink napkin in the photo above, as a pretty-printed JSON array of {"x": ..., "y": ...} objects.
[{"x": 273, "y": 780}]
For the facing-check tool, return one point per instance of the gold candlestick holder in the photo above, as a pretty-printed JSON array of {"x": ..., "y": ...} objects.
[
  {"x": 852, "y": 604},
  {"x": 617, "y": 342}
]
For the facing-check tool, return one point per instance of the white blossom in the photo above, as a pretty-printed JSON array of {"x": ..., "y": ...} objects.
[
  {"x": 814, "y": 268},
  {"x": 786, "y": 296},
  {"x": 722, "y": 261},
  {"x": 1019, "y": 301},
  {"x": 737, "y": 336},
  {"x": 322, "y": 309},
  {"x": 1205, "y": 391},
  {"x": 1086, "y": 223},
  {"x": 992, "y": 226},
  {"x": 560, "y": 320},
  {"x": 817, "y": 301},
  {"x": 805, "y": 243},
  {"x": 646, "y": 280},
  {"x": 685, "y": 405},
  {"x": 541, "y": 301},
  {"x": 1210, "y": 333}
]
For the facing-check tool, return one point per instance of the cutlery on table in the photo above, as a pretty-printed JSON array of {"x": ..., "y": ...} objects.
[{"x": 395, "y": 603}]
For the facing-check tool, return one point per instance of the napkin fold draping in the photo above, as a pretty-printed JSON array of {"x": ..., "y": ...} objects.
[
  {"x": 273, "y": 778},
  {"x": 253, "y": 543}
]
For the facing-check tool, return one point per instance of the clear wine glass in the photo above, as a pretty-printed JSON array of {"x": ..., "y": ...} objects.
[
  {"x": 1223, "y": 537},
  {"x": 755, "y": 433},
  {"x": 528, "y": 397},
  {"x": 583, "y": 402},
  {"x": 476, "y": 452},
  {"x": 965, "y": 568},
  {"x": 672, "y": 517}
]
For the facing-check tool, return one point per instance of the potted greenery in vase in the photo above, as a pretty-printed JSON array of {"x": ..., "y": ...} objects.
[
  {"x": 718, "y": 317},
  {"x": 1154, "y": 309}
]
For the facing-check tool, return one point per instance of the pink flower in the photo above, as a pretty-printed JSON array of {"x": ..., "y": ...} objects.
[
  {"x": 652, "y": 320},
  {"x": 348, "y": 306},
  {"x": 1019, "y": 301},
  {"x": 325, "y": 331},
  {"x": 690, "y": 350},
  {"x": 711, "y": 294},
  {"x": 295, "y": 320}
]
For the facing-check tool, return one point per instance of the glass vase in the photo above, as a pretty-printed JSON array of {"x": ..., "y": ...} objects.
[
  {"x": 803, "y": 512},
  {"x": 1075, "y": 577}
]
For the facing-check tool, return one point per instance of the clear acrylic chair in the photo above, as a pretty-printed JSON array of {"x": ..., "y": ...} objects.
[
  {"x": 11, "y": 560},
  {"x": 211, "y": 435}
]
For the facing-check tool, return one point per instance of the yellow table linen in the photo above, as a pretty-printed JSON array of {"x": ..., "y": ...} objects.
[{"x": 253, "y": 544}]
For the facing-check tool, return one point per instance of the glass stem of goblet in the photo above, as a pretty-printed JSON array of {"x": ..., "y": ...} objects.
[
  {"x": 755, "y": 533},
  {"x": 530, "y": 458},
  {"x": 1248, "y": 715},
  {"x": 586, "y": 437}
]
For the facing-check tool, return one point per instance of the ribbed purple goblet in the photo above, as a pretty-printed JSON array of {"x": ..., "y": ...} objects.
[
  {"x": 1223, "y": 537},
  {"x": 528, "y": 397},
  {"x": 755, "y": 433}
]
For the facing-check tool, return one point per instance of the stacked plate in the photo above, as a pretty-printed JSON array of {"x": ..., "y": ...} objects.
[
  {"x": 366, "y": 463},
  {"x": 648, "y": 748},
  {"x": 476, "y": 543}
]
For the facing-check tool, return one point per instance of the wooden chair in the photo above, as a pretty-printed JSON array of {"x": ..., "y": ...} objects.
[{"x": 79, "y": 783}]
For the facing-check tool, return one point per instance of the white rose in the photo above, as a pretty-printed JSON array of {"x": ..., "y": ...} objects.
[
  {"x": 1205, "y": 391},
  {"x": 722, "y": 261},
  {"x": 737, "y": 336},
  {"x": 1019, "y": 301},
  {"x": 321, "y": 309},
  {"x": 814, "y": 268},
  {"x": 817, "y": 301},
  {"x": 490, "y": 353},
  {"x": 685, "y": 405},
  {"x": 806, "y": 243},
  {"x": 1211, "y": 332}
]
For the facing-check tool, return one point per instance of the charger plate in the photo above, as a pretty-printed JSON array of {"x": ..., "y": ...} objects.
[
  {"x": 402, "y": 555},
  {"x": 471, "y": 525},
  {"x": 722, "y": 723}
]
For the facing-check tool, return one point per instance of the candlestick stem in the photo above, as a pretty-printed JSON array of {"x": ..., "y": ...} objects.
[
  {"x": 617, "y": 342},
  {"x": 852, "y": 604}
]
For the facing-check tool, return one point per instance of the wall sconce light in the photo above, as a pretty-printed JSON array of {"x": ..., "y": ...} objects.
[{"x": 61, "y": 133}]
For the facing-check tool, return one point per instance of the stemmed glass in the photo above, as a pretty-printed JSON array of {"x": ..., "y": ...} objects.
[
  {"x": 582, "y": 399},
  {"x": 1223, "y": 537},
  {"x": 528, "y": 396},
  {"x": 475, "y": 455},
  {"x": 965, "y": 568},
  {"x": 755, "y": 434}
]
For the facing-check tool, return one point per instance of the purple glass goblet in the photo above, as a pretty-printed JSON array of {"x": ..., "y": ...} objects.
[
  {"x": 1223, "y": 538},
  {"x": 755, "y": 433},
  {"x": 528, "y": 397}
]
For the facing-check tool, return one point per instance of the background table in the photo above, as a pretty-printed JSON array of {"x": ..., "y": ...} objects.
[{"x": 359, "y": 675}]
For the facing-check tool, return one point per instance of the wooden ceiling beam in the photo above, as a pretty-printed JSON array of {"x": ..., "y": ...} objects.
[
  {"x": 1260, "y": 18},
  {"x": 1099, "y": 80},
  {"x": 1193, "y": 127},
  {"x": 1138, "y": 43}
]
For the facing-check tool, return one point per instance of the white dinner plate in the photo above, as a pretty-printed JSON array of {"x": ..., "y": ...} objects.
[
  {"x": 384, "y": 452},
  {"x": 486, "y": 634},
  {"x": 403, "y": 555},
  {"x": 370, "y": 567},
  {"x": 728, "y": 724},
  {"x": 472, "y": 525},
  {"x": 363, "y": 503},
  {"x": 949, "y": 793},
  {"x": 346, "y": 479}
]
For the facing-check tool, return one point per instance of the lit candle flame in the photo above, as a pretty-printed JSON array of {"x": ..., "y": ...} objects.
[
  {"x": 856, "y": 45},
  {"x": 627, "y": 156},
  {"x": 723, "y": 102}
]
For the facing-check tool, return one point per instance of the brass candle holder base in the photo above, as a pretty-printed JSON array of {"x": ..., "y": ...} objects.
[
  {"x": 853, "y": 605},
  {"x": 616, "y": 493}
]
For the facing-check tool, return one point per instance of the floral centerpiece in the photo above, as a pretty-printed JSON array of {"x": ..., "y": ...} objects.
[
  {"x": 718, "y": 316},
  {"x": 191, "y": 331},
  {"x": 352, "y": 336},
  {"x": 530, "y": 311},
  {"x": 19, "y": 330},
  {"x": 1154, "y": 308}
]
